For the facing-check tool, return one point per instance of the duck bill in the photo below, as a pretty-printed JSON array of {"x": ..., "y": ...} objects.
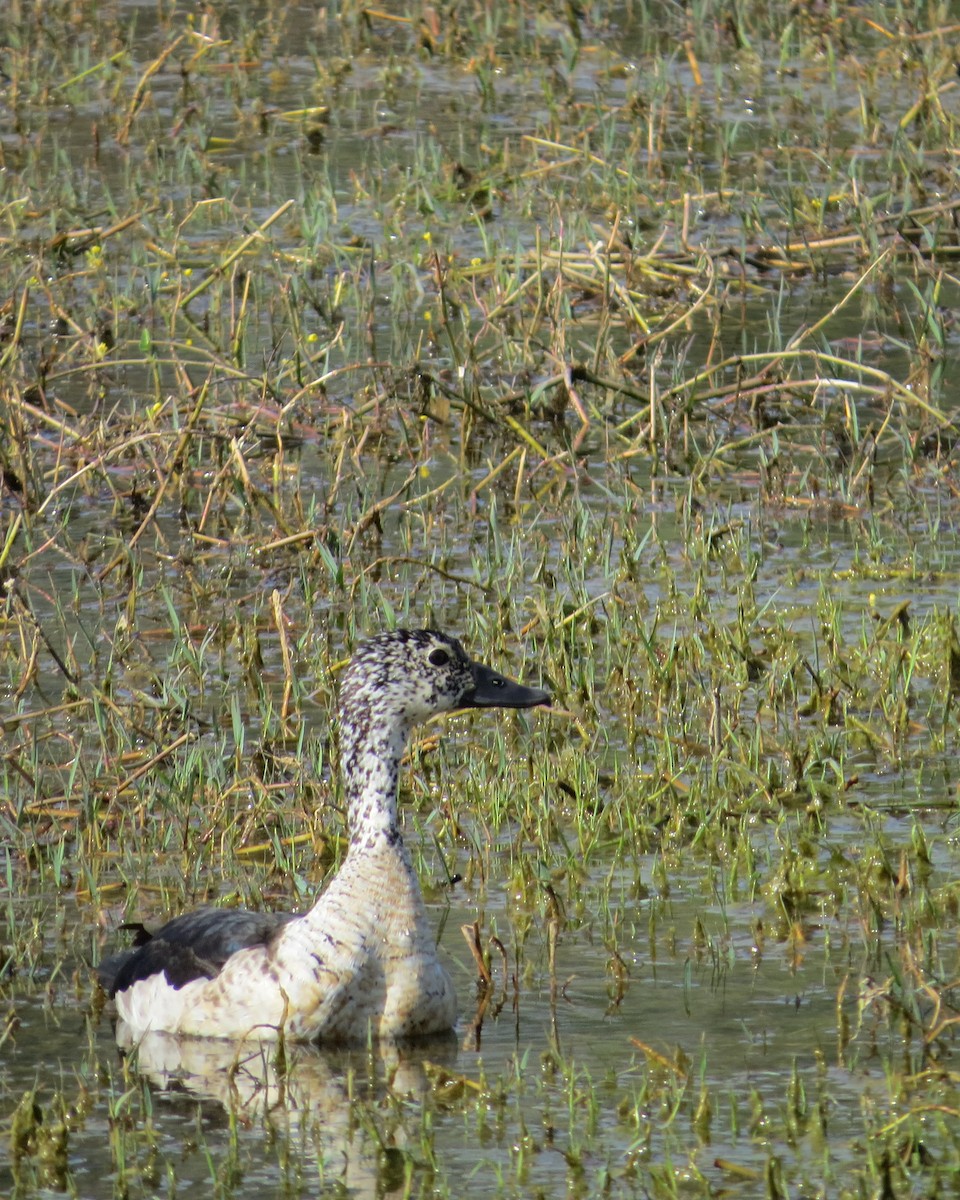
[{"x": 493, "y": 690}]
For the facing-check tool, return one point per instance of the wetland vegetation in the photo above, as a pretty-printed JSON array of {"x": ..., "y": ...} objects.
[{"x": 617, "y": 339}]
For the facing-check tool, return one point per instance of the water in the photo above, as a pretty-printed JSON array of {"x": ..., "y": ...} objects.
[{"x": 750, "y": 874}]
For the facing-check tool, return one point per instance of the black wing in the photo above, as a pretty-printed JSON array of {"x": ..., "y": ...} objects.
[{"x": 194, "y": 946}]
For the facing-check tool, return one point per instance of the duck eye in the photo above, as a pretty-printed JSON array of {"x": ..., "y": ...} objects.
[{"x": 439, "y": 658}]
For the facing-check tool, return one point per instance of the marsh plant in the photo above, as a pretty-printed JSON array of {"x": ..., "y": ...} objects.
[{"x": 615, "y": 339}]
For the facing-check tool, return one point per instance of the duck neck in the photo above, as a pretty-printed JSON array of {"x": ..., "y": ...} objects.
[{"x": 370, "y": 751}]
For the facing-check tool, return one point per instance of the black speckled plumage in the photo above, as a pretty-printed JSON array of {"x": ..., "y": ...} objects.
[{"x": 363, "y": 960}]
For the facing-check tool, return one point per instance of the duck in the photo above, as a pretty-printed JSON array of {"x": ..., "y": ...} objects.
[{"x": 362, "y": 963}]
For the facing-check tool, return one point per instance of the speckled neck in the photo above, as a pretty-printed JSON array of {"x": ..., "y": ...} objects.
[{"x": 372, "y": 742}]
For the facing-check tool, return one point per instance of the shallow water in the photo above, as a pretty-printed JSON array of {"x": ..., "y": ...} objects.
[
  {"x": 759, "y": 1024},
  {"x": 709, "y": 1018}
]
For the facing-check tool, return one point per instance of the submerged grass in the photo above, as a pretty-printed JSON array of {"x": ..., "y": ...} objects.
[{"x": 617, "y": 342}]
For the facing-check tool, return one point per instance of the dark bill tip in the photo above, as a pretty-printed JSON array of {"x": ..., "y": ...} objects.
[{"x": 493, "y": 690}]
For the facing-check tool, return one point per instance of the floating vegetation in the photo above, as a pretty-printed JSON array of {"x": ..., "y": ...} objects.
[{"x": 615, "y": 340}]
